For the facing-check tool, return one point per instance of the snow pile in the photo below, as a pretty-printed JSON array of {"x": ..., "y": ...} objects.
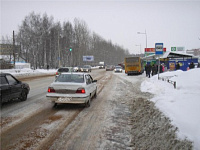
[
  {"x": 22, "y": 73},
  {"x": 181, "y": 105}
]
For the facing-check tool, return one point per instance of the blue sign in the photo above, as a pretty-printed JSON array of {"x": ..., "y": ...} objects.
[
  {"x": 159, "y": 48},
  {"x": 88, "y": 58}
]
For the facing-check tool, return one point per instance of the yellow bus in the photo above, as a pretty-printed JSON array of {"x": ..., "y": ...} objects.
[{"x": 133, "y": 65}]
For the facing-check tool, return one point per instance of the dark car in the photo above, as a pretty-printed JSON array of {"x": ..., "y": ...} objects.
[
  {"x": 86, "y": 68},
  {"x": 109, "y": 68},
  {"x": 101, "y": 67},
  {"x": 11, "y": 88},
  {"x": 64, "y": 69}
]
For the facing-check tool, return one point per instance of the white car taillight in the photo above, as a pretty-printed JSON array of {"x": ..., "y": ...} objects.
[
  {"x": 51, "y": 90},
  {"x": 80, "y": 91}
]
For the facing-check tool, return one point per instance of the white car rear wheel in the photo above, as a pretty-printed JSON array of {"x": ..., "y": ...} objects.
[
  {"x": 87, "y": 104},
  {"x": 95, "y": 94}
]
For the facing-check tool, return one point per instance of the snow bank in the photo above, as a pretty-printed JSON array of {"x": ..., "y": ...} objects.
[
  {"x": 23, "y": 73},
  {"x": 181, "y": 105}
]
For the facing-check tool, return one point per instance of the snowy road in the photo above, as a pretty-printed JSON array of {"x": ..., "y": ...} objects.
[{"x": 121, "y": 117}]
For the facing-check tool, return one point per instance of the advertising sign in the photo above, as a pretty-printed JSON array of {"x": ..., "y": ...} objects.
[
  {"x": 180, "y": 49},
  {"x": 159, "y": 48},
  {"x": 88, "y": 58},
  {"x": 152, "y": 50}
]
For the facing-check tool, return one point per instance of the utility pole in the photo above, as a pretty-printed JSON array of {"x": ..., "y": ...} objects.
[
  {"x": 14, "y": 47},
  {"x": 59, "y": 49}
]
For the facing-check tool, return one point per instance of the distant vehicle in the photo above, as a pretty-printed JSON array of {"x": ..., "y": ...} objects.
[
  {"x": 77, "y": 69},
  {"x": 118, "y": 69},
  {"x": 109, "y": 68},
  {"x": 63, "y": 69},
  {"x": 133, "y": 65},
  {"x": 76, "y": 88},
  {"x": 86, "y": 68},
  {"x": 101, "y": 65},
  {"x": 11, "y": 88}
]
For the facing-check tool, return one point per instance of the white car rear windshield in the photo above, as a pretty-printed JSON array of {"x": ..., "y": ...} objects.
[
  {"x": 77, "y": 78},
  {"x": 118, "y": 67}
]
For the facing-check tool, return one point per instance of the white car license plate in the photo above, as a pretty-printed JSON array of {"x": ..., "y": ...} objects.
[{"x": 64, "y": 99}]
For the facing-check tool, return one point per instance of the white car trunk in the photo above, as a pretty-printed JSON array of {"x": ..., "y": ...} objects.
[{"x": 68, "y": 88}]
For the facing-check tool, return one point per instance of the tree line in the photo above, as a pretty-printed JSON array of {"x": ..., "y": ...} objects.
[{"x": 45, "y": 42}]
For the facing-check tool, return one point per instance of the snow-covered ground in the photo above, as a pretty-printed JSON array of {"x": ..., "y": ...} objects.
[
  {"x": 181, "y": 105},
  {"x": 28, "y": 72}
]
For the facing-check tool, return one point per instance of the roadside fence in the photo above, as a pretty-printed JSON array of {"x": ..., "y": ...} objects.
[{"x": 167, "y": 78}]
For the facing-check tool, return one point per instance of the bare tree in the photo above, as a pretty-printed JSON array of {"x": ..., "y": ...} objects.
[{"x": 44, "y": 42}]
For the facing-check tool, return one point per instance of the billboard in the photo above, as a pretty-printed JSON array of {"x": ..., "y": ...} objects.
[{"x": 88, "y": 58}]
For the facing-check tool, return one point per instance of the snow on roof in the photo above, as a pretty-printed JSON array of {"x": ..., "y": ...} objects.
[
  {"x": 175, "y": 55},
  {"x": 169, "y": 55}
]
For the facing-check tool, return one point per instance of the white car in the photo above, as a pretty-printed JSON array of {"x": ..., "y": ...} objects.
[
  {"x": 76, "y": 88},
  {"x": 118, "y": 69}
]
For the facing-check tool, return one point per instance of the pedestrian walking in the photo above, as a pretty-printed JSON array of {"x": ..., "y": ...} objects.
[
  {"x": 47, "y": 67},
  {"x": 177, "y": 66},
  {"x": 148, "y": 70},
  {"x": 191, "y": 66},
  {"x": 198, "y": 66},
  {"x": 153, "y": 70},
  {"x": 161, "y": 69}
]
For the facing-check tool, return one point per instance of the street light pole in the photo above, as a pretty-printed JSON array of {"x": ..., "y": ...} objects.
[{"x": 145, "y": 34}]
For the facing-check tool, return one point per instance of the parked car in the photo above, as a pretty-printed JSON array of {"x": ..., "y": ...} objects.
[
  {"x": 76, "y": 88},
  {"x": 86, "y": 68},
  {"x": 109, "y": 68},
  {"x": 118, "y": 69},
  {"x": 11, "y": 88},
  {"x": 63, "y": 69}
]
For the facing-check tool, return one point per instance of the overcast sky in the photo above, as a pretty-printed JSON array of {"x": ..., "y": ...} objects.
[{"x": 173, "y": 23}]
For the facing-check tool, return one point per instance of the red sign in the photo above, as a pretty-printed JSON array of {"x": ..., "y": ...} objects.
[{"x": 152, "y": 50}]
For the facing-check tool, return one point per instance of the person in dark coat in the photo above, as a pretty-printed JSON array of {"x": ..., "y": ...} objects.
[
  {"x": 161, "y": 69},
  {"x": 191, "y": 66},
  {"x": 47, "y": 67},
  {"x": 177, "y": 66},
  {"x": 148, "y": 70},
  {"x": 153, "y": 69},
  {"x": 198, "y": 66}
]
